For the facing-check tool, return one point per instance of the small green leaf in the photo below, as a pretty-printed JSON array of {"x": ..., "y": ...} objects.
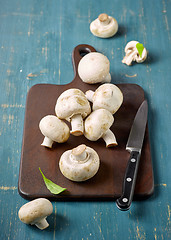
[
  {"x": 140, "y": 48},
  {"x": 53, "y": 188}
]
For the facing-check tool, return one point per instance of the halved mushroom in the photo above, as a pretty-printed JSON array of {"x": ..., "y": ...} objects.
[
  {"x": 94, "y": 68},
  {"x": 79, "y": 164},
  {"x": 35, "y": 212},
  {"x": 73, "y": 106},
  {"x": 107, "y": 96},
  {"x": 54, "y": 130},
  {"x": 97, "y": 125},
  {"x": 132, "y": 53},
  {"x": 104, "y": 26}
]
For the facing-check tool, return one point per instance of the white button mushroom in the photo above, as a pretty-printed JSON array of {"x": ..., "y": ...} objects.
[
  {"x": 80, "y": 163},
  {"x": 107, "y": 96},
  {"x": 54, "y": 130},
  {"x": 97, "y": 126},
  {"x": 73, "y": 106},
  {"x": 35, "y": 212},
  {"x": 132, "y": 53},
  {"x": 94, "y": 68},
  {"x": 104, "y": 26}
]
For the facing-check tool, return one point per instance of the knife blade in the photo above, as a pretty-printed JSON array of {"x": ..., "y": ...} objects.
[{"x": 134, "y": 146}]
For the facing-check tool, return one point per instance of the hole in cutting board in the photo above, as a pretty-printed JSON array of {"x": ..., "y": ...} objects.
[{"x": 84, "y": 51}]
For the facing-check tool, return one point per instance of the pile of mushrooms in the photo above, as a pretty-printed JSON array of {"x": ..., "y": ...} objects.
[
  {"x": 104, "y": 26},
  {"x": 74, "y": 106}
]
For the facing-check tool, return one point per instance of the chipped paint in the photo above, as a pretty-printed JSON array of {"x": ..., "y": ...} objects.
[
  {"x": 131, "y": 76},
  {"x": 99, "y": 226},
  {"x": 7, "y": 188},
  {"x": 140, "y": 233},
  {"x": 165, "y": 19},
  {"x": 8, "y": 118},
  {"x": 31, "y": 76},
  {"x": 12, "y": 105},
  {"x": 44, "y": 52},
  {"x": 60, "y": 35},
  {"x": 54, "y": 223},
  {"x": 160, "y": 184},
  {"x": 155, "y": 235},
  {"x": 169, "y": 213}
]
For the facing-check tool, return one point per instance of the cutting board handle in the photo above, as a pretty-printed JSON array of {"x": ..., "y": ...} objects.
[{"x": 79, "y": 52}]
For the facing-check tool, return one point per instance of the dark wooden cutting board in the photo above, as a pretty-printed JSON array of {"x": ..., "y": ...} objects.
[{"x": 107, "y": 183}]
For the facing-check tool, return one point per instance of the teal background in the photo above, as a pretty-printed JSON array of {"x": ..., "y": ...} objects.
[{"x": 36, "y": 43}]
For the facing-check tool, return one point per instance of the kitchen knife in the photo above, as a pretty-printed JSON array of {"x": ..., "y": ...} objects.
[{"x": 134, "y": 146}]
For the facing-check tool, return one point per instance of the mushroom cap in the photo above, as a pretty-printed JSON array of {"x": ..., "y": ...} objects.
[
  {"x": 99, "y": 29},
  {"x": 72, "y": 101},
  {"x": 93, "y": 68},
  {"x": 97, "y": 123},
  {"x": 32, "y": 212},
  {"x": 54, "y": 128},
  {"x": 107, "y": 96},
  {"x": 79, "y": 170}
]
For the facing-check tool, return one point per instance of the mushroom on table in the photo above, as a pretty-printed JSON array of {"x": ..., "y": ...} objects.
[
  {"x": 35, "y": 212},
  {"x": 80, "y": 163},
  {"x": 73, "y": 106},
  {"x": 104, "y": 26},
  {"x": 94, "y": 68},
  {"x": 97, "y": 125},
  {"x": 54, "y": 130},
  {"x": 107, "y": 96},
  {"x": 132, "y": 53}
]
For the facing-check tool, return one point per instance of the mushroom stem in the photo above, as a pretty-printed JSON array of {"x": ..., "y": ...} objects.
[
  {"x": 109, "y": 138},
  {"x": 89, "y": 95},
  {"x": 104, "y": 19},
  {"x": 47, "y": 142},
  {"x": 42, "y": 224},
  {"x": 79, "y": 153},
  {"x": 77, "y": 125},
  {"x": 129, "y": 58},
  {"x": 107, "y": 78}
]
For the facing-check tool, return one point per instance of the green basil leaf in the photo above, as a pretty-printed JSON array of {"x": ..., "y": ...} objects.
[
  {"x": 53, "y": 188},
  {"x": 140, "y": 48}
]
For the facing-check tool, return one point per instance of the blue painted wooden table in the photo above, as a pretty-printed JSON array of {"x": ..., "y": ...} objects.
[{"x": 36, "y": 43}]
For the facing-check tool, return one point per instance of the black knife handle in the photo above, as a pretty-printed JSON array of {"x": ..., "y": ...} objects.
[{"x": 124, "y": 202}]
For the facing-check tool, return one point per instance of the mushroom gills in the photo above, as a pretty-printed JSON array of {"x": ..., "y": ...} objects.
[
  {"x": 79, "y": 164},
  {"x": 132, "y": 53}
]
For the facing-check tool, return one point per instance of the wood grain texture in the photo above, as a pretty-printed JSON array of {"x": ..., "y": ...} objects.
[{"x": 36, "y": 43}]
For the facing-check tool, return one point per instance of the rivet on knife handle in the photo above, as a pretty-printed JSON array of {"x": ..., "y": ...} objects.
[{"x": 124, "y": 202}]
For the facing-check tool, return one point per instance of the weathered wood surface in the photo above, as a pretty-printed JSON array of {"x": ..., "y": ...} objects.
[{"x": 36, "y": 43}]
